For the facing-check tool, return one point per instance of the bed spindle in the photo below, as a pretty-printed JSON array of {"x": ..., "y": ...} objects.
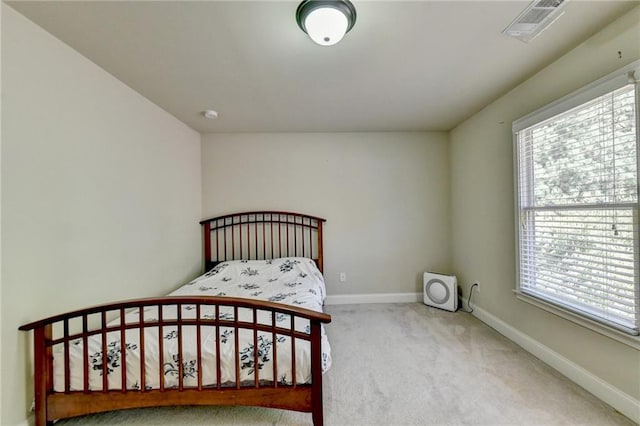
[
  {"x": 264, "y": 241},
  {"x": 279, "y": 237},
  {"x": 302, "y": 238},
  {"x": 105, "y": 374},
  {"x": 274, "y": 337},
  {"x": 287, "y": 234},
  {"x": 218, "y": 371},
  {"x": 248, "y": 234},
  {"x": 295, "y": 235},
  {"x": 293, "y": 350},
  {"x": 207, "y": 244},
  {"x": 199, "y": 346},
  {"x": 310, "y": 239},
  {"x": 233, "y": 240},
  {"x": 143, "y": 375},
  {"x": 255, "y": 349},
  {"x": 123, "y": 351},
  {"x": 255, "y": 237},
  {"x": 217, "y": 247},
  {"x": 272, "y": 238},
  {"x": 180, "y": 364},
  {"x": 67, "y": 362},
  {"x": 320, "y": 261},
  {"x": 224, "y": 240},
  {"x": 85, "y": 354},
  {"x": 237, "y": 346},
  {"x": 160, "y": 348}
]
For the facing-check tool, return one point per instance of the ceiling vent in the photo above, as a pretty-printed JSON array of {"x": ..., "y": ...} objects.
[{"x": 535, "y": 19}]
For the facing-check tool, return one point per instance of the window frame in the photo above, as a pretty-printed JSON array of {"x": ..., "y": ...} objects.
[{"x": 602, "y": 86}]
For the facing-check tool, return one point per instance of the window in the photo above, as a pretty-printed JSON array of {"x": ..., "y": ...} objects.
[{"x": 577, "y": 202}]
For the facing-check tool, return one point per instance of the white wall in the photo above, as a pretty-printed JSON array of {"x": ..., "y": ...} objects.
[
  {"x": 385, "y": 197},
  {"x": 100, "y": 194},
  {"x": 483, "y": 205}
]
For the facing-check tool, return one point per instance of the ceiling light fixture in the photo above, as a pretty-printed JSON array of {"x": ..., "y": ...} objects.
[
  {"x": 326, "y": 21},
  {"x": 210, "y": 114}
]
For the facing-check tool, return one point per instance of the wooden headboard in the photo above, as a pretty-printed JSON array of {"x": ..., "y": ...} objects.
[{"x": 262, "y": 235}]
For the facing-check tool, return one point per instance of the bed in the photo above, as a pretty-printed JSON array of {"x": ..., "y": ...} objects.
[{"x": 249, "y": 331}]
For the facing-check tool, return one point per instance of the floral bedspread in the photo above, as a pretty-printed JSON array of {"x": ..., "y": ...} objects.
[{"x": 293, "y": 281}]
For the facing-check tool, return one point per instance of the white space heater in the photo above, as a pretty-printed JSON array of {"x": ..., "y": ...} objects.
[{"x": 441, "y": 291}]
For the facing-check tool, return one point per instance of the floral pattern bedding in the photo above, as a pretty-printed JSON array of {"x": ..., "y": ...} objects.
[{"x": 293, "y": 281}]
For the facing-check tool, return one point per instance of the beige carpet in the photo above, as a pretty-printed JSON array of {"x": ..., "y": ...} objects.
[{"x": 407, "y": 364}]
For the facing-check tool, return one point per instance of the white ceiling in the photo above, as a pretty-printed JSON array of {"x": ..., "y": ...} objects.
[{"x": 405, "y": 66}]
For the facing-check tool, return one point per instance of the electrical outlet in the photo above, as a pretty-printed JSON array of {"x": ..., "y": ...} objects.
[{"x": 343, "y": 277}]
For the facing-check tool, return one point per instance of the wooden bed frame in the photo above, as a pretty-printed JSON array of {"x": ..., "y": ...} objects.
[{"x": 249, "y": 235}]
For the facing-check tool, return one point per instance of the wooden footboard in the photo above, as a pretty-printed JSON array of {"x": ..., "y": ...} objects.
[{"x": 56, "y": 337}]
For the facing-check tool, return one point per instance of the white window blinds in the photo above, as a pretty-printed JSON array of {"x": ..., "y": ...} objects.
[{"x": 577, "y": 201}]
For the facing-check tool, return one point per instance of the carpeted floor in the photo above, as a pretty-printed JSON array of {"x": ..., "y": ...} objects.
[{"x": 408, "y": 364}]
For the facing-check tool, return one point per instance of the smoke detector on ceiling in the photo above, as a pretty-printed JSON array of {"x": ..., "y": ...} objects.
[{"x": 535, "y": 19}]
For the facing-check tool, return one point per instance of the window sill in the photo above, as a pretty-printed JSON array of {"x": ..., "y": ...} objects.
[{"x": 629, "y": 340}]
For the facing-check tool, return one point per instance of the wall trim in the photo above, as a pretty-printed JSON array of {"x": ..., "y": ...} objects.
[
  {"x": 613, "y": 396},
  {"x": 355, "y": 299}
]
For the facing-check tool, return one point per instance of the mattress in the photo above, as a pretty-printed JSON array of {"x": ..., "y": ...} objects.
[{"x": 295, "y": 281}]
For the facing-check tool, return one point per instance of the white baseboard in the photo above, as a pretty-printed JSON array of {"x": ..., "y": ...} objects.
[
  {"x": 613, "y": 396},
  {"x": 354, "y": 299}
]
